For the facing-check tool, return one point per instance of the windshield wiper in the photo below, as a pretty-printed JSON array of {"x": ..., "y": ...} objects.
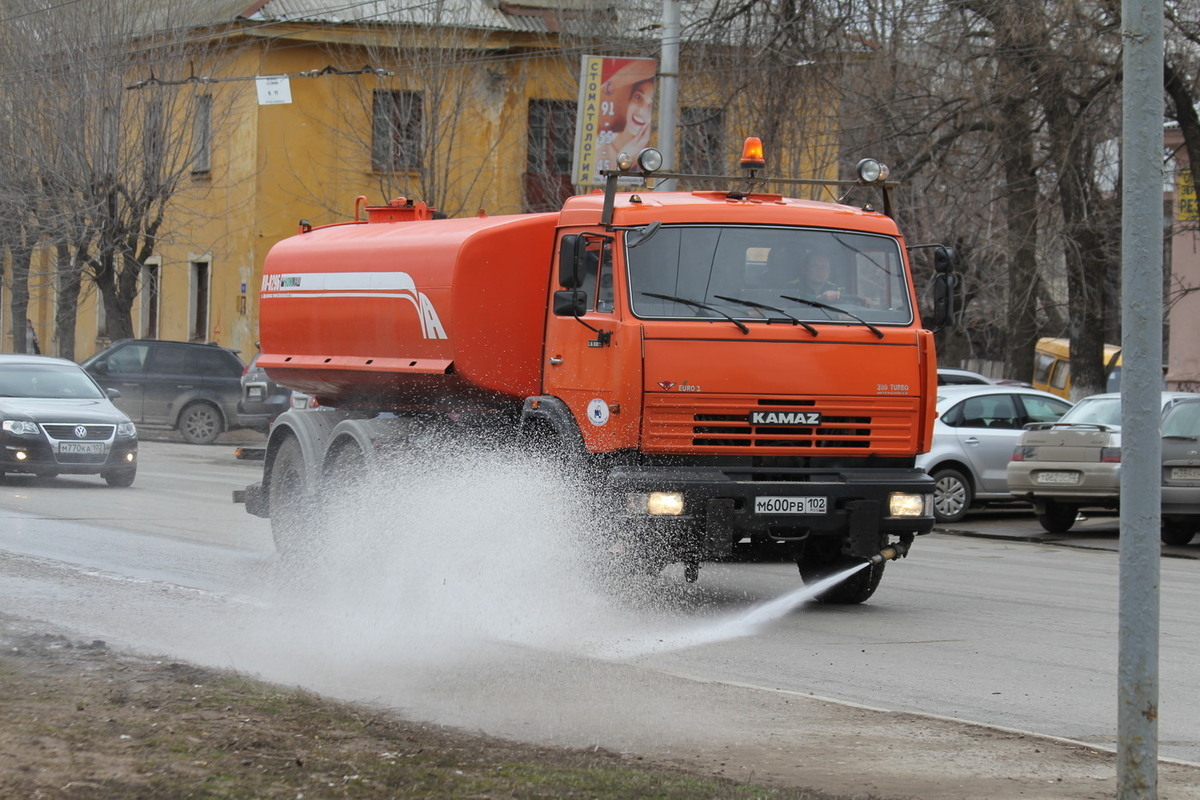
[
  {"x": 816, "y": 304},
  {"x": 765, "y": 307},
  {"x": 694, "y": 304}
]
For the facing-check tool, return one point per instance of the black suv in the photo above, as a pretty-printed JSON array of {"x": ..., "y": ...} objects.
[{"x": 190, "y": 386}]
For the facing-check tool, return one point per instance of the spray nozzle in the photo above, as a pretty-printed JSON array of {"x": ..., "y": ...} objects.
[{"x": 890, "y": 553}]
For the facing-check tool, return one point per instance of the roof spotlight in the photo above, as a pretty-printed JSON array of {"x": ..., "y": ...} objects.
[
  {"x": 624, "y": 161},
  {"x": 871, "y": 171},
  {"x": 650, "y": 160}
]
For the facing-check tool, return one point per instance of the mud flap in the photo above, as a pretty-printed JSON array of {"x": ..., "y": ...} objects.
[
  {"x": 863, "y": 538},
  {"x": 718, "y": 522}
]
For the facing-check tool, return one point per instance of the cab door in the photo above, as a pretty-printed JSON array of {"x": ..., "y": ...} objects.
[{"x": 588, "y": 358}]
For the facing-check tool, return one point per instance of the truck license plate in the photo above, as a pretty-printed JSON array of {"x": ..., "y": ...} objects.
[
  {"x": 1058, "y": 477},
  {"x": 790, "y": 505},
  {"x": 82, "y": 448},
  {"x": 1185, "y": 473}
]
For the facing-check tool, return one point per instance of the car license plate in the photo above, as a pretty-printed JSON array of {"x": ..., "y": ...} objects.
[
  {"x": 255, "y": 393},
  {"x": 790, "y": 505},
  {"x": 82, "y": 448},
  {"x": 1185, "y": 473},
  {"x": 1058, "y": 477}
]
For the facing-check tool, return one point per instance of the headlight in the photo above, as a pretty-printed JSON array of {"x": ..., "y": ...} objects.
[
  {"x": 21, "y": 427},
  {"x": 656, "y": 504},
  {"x": 902, "y": 504},
  {"x": 127, "y": 429}
]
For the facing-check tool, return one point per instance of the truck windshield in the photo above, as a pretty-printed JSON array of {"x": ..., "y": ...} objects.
[{"x": 718, "y": 266}]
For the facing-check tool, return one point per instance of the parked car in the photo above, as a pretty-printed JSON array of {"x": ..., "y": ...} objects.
[
  {"x": 973, "y": 438},
  {"x": 262, "y": 398},
  {"x": 55, "y": 419},
  {"x": 1075, "y": 463},
  {"x": 950, "y": 376},
  {"x": 190, "y": 386}
]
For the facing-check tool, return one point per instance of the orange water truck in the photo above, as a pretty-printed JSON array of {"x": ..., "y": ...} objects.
[{"x": 663, "y": 343}]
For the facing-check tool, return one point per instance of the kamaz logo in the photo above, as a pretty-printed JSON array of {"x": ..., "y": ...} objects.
[{"x": 805, "y": 418}]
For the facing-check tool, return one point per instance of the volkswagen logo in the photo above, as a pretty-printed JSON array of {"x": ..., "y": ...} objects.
[{"x": 80, "y": 432}]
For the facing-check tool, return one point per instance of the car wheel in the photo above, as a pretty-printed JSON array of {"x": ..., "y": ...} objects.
[
  {"x": 856, "y": 588},
  {"x": 200, "y": 423},
  {"x": 121, "y": 478},
  {"x": 1058, "y": 517},
  {"x": 951, "y": 495},
  {"x": 1177, "y": 532}
]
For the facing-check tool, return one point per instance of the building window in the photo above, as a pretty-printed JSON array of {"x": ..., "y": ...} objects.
[
  {"x": 200, "y": 273},
  {"x": 148, "y": 299},
  {"x": 551, "y": 150},
  {"x": 202, "y": 135},
  {"x": 702, "y": 141},
  {"x": 396, "y": 122}
]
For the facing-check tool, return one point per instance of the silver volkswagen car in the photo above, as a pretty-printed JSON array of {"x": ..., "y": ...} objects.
[{"x": 976, "y": 428}]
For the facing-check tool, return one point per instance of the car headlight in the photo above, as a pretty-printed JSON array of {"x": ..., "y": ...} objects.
[
  {"x": 21, "y": 427},
  {"x": 126, "y": 429}
]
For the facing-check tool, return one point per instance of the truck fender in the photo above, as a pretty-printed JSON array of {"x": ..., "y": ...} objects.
[
  {"x": 549, "y": 413},
  {"x": 312, "y": 429},
  {"x": 373, "y": 437}
]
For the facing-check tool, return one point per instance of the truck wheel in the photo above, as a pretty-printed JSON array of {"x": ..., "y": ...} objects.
[
  {"x": 1177, "y": 532},
  {"x": 1058, "y": 517},
  {"x": 952, "y": 495},
  {"x": 291, "y": 505},
  {"x": 200, "y": 423},
  {"x": 855, "y": 589}
]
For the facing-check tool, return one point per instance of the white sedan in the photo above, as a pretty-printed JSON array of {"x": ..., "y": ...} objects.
[{"x": 973, "y": 439}]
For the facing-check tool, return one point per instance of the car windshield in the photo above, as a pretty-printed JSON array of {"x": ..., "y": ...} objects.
[
  {"x": 56, "y": 381},
  {"x": 1095, "y": 411},
  {"x": 756, "y": 272}
]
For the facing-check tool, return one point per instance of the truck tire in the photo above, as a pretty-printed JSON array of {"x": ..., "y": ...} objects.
[
  {"x": 952, "y": 495},
  {"x": 200, "y": 423},
  {"x": 291, "y": 504},
  {"x": 855, "y": 589},
  {"x": 1058, "y": 517}
]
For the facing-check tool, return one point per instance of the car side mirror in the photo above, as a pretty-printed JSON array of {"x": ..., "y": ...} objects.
[
  {"x": 112, "y": 393},
  {"x": 100, "y": 368}
]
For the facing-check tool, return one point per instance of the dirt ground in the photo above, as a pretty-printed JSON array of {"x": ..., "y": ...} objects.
[{"x": 78, "y": 720}]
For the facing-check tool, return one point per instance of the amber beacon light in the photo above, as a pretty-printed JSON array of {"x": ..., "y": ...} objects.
[{"x": 752, "y": 154}]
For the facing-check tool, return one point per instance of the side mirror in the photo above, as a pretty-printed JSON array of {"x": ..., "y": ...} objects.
[
  {"x": 944, "y": 259},
  {"x": 100, "y": 368},
  {"x": 570, "y": 303},
  {"x": 113, "y": 394},
  {"x": 570, "y": 259},
  {"x": 945, "y": 289}
]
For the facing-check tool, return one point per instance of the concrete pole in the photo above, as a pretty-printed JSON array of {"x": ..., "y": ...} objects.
[
  {"x": 1141, "y": 384},
  {"x": 668, "y": 90}
]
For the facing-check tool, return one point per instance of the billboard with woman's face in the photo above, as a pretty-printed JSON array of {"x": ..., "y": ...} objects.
[{"x": 616, "y": 113}]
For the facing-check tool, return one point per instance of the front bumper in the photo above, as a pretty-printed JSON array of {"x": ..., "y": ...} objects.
[
  {"x": 719, "y": 504},
  {"x": 40, "y": 455}
]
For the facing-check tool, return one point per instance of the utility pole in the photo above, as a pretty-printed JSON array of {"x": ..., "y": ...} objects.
[
  {"x": 668, "y": 91},
  {"x": 1141, "y": 401}
]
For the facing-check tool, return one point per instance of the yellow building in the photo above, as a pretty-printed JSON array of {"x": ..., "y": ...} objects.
[{"x": 307, "y": 105}]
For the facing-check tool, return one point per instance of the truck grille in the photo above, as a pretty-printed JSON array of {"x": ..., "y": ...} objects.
[{"x": 677, "y": 423}]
